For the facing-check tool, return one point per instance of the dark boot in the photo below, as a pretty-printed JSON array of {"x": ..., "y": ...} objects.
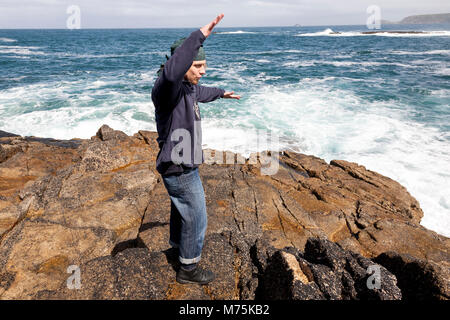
[{"x": 196, "y": 276}]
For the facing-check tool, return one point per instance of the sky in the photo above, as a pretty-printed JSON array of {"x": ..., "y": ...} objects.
[{"x": 195, "y": 13}]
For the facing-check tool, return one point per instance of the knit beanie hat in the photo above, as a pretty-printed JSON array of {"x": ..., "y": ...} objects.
[
  {"x": 200, "y": 55},
  {"x": 179, "y": 42}
]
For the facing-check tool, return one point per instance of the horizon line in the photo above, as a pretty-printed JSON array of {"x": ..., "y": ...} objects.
[{"x": 289, "y": 26}]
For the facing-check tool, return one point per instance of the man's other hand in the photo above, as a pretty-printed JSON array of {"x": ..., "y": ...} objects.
[
  {"x": 206, "y": 30},
  {"x": 231, "y": 95}
]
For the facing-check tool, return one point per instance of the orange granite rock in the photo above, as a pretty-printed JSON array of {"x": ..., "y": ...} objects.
[{"x": 99, "y": 204}]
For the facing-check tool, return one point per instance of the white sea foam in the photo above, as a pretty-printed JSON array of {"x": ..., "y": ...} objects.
[
  {"x": 308, "y": 63},
  {"x": 291, "y": 51},
  {"x": 444, "y": 93},
  {"x": 91, "y": 56},
  {"x": 443, "y": 72},
  {"x": 233, "y": 72},
  {"x": 266, "y": 52},
  {"x": 313, "y": 117},
  {"x": 17, "y": 57},
  {"x": 317, "y": 80},
  {"x": 443, "y": 33},
  {"x": 97, "y": 84},
  {"x": 82, "y": 114},
  {"x": 296, "y": 64},
  {"x": 15, "y": 78},
  {"x": 18, "y": 50},
  {"x": 7, "y": 40},
  {"x": 148, "y": 76},
  {"x": 316, "y": 118},
  {"x": 326, "y": 32},
  {"x": 430, "y": 52},
  {"x": 331, "y": 33},
  {"x": 427, "y": 61},
  {"x": 353, "y": 63},
  {"x": 236, "y": 32},
  {"x": 343, "y": 56}
]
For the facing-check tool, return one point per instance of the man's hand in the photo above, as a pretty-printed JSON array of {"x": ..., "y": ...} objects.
[
  {"x": 231, "y": 95},
  {"x": 206, "y": 30}
]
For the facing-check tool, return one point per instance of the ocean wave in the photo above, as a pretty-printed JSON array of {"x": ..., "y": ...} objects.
[
  {"x": 326, "y": 32},
  {"x": 332, "y": 33},
  {"x": 67, "y": 109},
  {"x": 266, "y": 52},
  {"x": 334, "y": 123},
  {"x": 7, "y": 40},
  {"x": 343, "y": 56},
  {"x": 296, "y": 64},
  {"x": 236, "y": 32},
  {"x": 430, "y": 52},
  {"x": 444, "y": 93},
  {"x": 17, "y": 57},
  {"x": 309, "y": 63},
  {"x": 271, "y": 52},
  {"x": 314, "y": 116},
  {"x": 91, "y": 56},
  {"x": 14, "y": 78},
  {"x": 443, "y": 33},
  {"x": 427, "y": 61},
  {"x": 316, "y": 80},
  {"x": 29, "y": 50},
  {"x": 443, "y": 72},
  {"x": 18, "y": 50}
]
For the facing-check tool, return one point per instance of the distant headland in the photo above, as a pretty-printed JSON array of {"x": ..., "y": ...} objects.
[
  {"x": 422, "y": 19},
  {"x": 416, "y": 19}
]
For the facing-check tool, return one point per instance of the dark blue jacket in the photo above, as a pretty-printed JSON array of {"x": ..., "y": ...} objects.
[{"x": 176, "y": 106}]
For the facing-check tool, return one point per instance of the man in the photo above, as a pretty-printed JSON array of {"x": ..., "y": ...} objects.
[{"x": 175, "y": 95}]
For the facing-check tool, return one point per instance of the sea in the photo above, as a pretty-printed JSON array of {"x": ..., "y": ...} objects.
[{"x": 381, "y": 100}]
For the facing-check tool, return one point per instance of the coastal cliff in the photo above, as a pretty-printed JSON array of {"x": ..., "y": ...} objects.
[
  {"x": 422, "y": 19},
  {"x": 312, "y": 230}
]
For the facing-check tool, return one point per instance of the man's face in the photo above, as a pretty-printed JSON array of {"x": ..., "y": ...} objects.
[{"x": 196, "y": 71}]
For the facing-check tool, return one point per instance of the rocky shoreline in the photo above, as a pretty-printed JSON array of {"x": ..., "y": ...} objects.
[{"x": 310, "y": 231}]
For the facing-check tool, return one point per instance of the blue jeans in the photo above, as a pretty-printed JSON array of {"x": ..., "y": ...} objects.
[{"x": 188, "y": 218}]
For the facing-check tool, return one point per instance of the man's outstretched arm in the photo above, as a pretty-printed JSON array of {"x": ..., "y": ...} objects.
[{"x": 208, "y": 94}]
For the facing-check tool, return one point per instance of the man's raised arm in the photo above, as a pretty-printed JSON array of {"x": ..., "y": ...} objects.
[
  {"x": 181, "y": 60},
  {"x": 167, "y": 88}
]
